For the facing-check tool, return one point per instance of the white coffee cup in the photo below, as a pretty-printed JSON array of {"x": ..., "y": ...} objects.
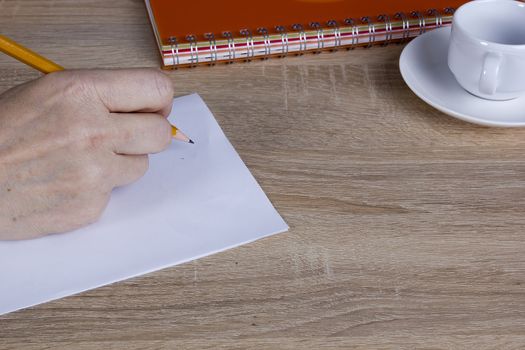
[{"x": 487, "y": 48}]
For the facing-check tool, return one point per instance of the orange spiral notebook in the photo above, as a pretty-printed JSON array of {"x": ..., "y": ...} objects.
[{"x": 206, "y": 32}]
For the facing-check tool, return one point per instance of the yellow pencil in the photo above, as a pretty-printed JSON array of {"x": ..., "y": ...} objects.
[{"x": 44, "y": 65}]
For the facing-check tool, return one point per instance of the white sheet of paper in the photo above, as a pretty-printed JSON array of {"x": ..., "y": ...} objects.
[{"x": 194, "y": 201}]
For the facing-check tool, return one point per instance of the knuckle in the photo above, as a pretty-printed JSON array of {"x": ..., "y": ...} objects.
[
  {"x": 74, "y": 132},
  {"x": 71, "y": 83},
  {"x": 79, "y": 135},
  {"x": 87, "y": 136},
  {"x": 95, "y": 208},
  {"x": 163, "y": 85},
  {"x": 53, "y": 78},
  {"x": 126, "y": 135},
  {"x": 92, "y": 177},
  {"x": 95, "y": 140}
]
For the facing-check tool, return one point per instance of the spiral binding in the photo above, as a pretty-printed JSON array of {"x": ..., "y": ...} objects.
[
  {"x": 406, "y": 25},
  {"x": 332, "y": 35},
  {"x": 231, "y": 47},
  {"x": 302, "y": 38},
  {"x": 174, "y": 50},
  {"x": 194, "y": 50},
  {"x": 267, "y": 43},
  {"x": 388, "y": 28},
  {"x": 320, "y": 35},
  {"x": 213, "y": 47},
  {"x": 250, "y": 48},
  {"x": 284, "y": 40},
  {"x": 421, "y": 19},
  {"x": 355, "y": 32},
  {"x": 438, "y": 17},
  {"x": 371, "y": 31},
  {"x": 337, "y": 33}
]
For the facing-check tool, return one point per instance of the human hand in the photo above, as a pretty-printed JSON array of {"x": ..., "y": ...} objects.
[{"x": 68, "y": 138}]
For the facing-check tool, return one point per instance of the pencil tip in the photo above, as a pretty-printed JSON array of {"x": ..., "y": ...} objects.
[{"x": 191, "y": 141}]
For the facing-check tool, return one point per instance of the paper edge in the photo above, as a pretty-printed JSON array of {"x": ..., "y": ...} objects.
[
  {"x": 286, "y": 228},
  {"x": 149, "y": 271}
]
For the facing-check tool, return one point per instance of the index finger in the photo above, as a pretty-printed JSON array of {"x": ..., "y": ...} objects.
[{"x": 133, "y": 90}]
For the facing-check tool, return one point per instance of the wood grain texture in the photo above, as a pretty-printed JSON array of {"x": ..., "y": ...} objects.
[{"x": 406, "y": 225}]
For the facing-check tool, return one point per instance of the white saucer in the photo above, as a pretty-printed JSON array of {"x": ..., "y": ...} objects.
[{"x": 424, "y": 68}]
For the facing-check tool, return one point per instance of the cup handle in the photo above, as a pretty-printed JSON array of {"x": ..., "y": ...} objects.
[{"x": 488, "y": 81}]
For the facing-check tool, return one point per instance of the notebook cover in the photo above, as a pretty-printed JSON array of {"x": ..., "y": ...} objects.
[{"x": 174, "y": 19}]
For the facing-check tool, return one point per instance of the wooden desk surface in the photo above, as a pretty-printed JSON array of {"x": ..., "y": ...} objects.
[{"x": 407, "y": 226}]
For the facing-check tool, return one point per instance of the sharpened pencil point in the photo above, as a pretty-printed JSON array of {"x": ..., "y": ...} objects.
[{"x": 191, "y": 141}]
